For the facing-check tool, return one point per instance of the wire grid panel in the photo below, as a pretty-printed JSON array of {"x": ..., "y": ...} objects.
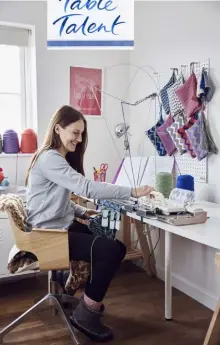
[
  {"x": 185, "y": 164},
  {"x": 196, "y": 66}
]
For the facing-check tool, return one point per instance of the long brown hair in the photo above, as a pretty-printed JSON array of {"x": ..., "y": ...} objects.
[{"x": 64, "y": 116}]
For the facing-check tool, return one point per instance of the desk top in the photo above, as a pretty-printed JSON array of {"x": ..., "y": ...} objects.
[{"x": 207, "y": 233}]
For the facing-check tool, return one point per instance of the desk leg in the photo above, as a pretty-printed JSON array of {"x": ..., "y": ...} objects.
[
  {"x": 168, "y": 275},
  {"x": 213, "y": 333}
]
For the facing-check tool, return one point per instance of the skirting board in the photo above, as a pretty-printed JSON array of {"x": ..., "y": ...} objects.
[{"x": 190, "y": 289}]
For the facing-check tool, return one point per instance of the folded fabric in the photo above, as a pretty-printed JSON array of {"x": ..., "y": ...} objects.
[
  {"x": 209, "y": 141},
  {"x": 187, "y": 95},
  {"x": 165, "y": 137},
  {"x": 204, "y": 88},
  {"x": 182, "y": 133},
  {"x": 172, "y": 130},
  {"x": 154, "y": 137},
  {"x": 164, "y": 95},
  {"x": 174, "y": 102},
  {"x": 196, "y": 136}
]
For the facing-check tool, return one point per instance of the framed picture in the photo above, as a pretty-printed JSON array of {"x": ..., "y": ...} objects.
[{"x": 86, "y": 90}]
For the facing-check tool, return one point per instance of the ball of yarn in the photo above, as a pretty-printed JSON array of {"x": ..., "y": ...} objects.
[
  {"x": 28, "y": 141},
  {"x": 10, "y": 142},
  {"x": 5, "y": 182},
  {"x": 1, "y": 176},
  {"x": 164, "y": 183},
  {"x": 185, "y": 182}
]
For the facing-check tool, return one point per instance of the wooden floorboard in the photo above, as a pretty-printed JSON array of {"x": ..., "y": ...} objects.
[{"x": 134, "y": 309}]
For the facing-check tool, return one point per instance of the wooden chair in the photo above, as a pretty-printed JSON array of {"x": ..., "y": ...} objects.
[
  {"x": 213, "y": 333},
  {"x": 51, "y": 249}
]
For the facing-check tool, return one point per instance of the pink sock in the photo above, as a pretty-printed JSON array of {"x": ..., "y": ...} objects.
[{"x": 92, "y": 304}]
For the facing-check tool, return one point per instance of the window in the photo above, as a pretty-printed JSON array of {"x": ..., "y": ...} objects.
[
  {"x": 12, "y": 88},
  {"x": 16, "y": 104}
]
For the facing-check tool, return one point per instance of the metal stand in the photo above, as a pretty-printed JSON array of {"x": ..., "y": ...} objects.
[{"x": 55, "y": 303}]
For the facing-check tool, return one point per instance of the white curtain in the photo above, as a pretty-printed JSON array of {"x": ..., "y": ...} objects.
[{"x": 14, "y": 36}]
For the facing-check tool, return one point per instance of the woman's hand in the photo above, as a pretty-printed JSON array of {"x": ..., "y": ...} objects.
[
  {"x": 141, "y": 191},
  {"x": 90, "y": 212}
]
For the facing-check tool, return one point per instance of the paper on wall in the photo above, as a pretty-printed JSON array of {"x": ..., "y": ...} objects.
[
  {"x": 132, "y": 171},
  {"x": 139, "y": 171},
  {"x": 156, "y": 164}
]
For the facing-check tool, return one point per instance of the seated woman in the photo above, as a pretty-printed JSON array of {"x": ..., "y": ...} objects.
[{"x": 57, "y": 170}]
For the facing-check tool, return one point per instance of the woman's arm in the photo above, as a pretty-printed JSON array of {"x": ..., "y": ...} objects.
[
  {"x": 79, "y": 210},
  {"x": 56, "y": 169}
]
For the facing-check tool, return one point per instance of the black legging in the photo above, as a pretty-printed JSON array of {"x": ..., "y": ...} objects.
[{"x": 104, "y": 255}]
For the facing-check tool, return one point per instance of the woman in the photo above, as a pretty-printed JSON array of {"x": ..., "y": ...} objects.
[{"x": 55, "y": 171}]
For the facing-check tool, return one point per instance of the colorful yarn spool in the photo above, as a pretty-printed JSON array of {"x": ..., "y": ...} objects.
[
  {"x": 164, "y": 183},
  {"x": 28, "y": 141},
  {"x": 1, "y": 176},
  {"x": 10, "y": 142},
  {"x": 1, "y": 144},
  {"x": 185, "y": 182}
]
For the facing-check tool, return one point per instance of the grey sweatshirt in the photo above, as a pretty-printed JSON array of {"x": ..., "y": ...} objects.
[{"x": 51, "y": 182}]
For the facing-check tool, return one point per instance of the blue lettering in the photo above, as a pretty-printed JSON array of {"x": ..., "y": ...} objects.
[
  {"x": 92, "y": 28},
  {"x": 76, "y": 5},
  {"x": 66, "y": 4},
  {"x": 90, "y": 4},
  {"x": 85, "y": 27},
  {"x": 65, "y": 19},
  {"x": 115, "y": 23},
  {"x": 106, "y": 5}
]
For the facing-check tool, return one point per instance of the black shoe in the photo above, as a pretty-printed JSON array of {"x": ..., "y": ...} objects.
[
  {"x": 102, "y": 308},
  {"x": 88, "y": 321}
]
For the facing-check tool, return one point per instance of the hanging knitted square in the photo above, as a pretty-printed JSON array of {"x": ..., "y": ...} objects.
[
  {"x": 187, "y": 95},
  {"x": 154, "y": 137},
  {"x": 182, "y": 133},
  {"x": 196, "y": 135},
  {"x": 166, "y": 139},
  {"x": 210, "y": 144},
  {"x": 205, "y": 89},
  {"x": 172, "y": 130},
  {"x": 174, "y": 102},
  {"x": 164, "y": 95}
]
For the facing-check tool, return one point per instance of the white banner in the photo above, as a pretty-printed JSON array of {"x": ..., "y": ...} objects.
[{"x": 90, "y": 24}]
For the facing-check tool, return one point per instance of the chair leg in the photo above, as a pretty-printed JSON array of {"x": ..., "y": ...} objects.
[
  {"x": 65, "y": 318},
  {"x": 53, "y": 300}
]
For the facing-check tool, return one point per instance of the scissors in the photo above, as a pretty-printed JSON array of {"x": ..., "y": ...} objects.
[{"x": 103, "y": 167}]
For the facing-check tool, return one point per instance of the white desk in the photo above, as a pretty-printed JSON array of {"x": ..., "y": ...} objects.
[{"x": 207, "y": 234}]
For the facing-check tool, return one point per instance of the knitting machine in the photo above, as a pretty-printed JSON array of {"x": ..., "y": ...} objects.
[{"x": 177, "y": 210}]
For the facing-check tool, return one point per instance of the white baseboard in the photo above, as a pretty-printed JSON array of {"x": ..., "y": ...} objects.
[{"x": 190, "y": 289}]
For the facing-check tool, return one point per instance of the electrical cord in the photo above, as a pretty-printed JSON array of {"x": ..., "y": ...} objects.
[{"x": 149, "y": 258}]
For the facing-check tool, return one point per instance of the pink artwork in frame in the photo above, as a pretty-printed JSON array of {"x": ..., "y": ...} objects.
[{"x": 86, "y": 90}]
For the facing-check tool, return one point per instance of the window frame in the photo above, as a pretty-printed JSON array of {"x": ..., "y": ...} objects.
[{"x": 28, "y": 79}]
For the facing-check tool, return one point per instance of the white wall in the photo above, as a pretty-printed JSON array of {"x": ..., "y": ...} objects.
[
  {"x": 168, "y": 34},
  {"x": 53, "y": 83}
]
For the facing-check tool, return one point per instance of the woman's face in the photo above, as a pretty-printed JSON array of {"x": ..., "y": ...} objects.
[{"x": 71, "y": 135}]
